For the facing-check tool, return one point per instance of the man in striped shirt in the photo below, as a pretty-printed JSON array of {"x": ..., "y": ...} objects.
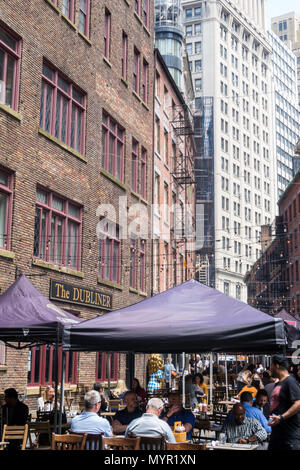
[{"x": 243, "y": 430}]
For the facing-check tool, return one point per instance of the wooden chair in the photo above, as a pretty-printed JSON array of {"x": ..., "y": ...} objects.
[
  {"x": 39, "y": 428},
  {"x": 93, "y": 441},
  {"x": 68, "y": 442},
  {"x": 43, "y": 415},
  {"x": 185, "y": 446},
  {"x": 120, "y": 443},
  {"x": 114, "y": 403},
  {"x": 151, "y": 442},
  {"x": 15, "y": 433}
]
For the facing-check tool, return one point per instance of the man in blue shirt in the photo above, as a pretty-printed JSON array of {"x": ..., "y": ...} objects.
[
  {"x": 176, "y": 412},
  {"x": 250, "y": 412},
  {"x": 89, "y": 421}
]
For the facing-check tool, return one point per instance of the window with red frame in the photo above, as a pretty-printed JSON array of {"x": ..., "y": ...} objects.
[
  {"x": 67, "y": 9},
  {"x": 145, "y": 81},
  {"x": 146, "y": 13},
  {"x": 42, "y": 368},
  {"x": 101, "y": 369},
  {"x": 137, "y": 7},
  {"x": 134, "y": 165},
  {"x": 63, "y": 109},
  {"x": 142, "y": 265},
  {"x": 112, "y": 147},
  {"x": 107, "y": 29},
  {"x": 144, "y": 173},
  {"x": 10, "y": 56},
  {"x": 6, "y": 189},
  {"x": 136, "y": 71},
  {"x": 57, "y": 231},
  {"x": 133, "y": 261},
  {"x": 124, "y": 55},
  {"x": 84, "y": 17},
  {"x": 109, "y": 251}
]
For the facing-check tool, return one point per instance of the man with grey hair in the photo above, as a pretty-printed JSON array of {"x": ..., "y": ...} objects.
[
  {"x": 89, "y": 421},
  {"x": 149, "y": 423}
]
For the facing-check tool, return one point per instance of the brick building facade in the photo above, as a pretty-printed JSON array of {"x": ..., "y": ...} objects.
[
  {"x": 173, "y": 185},
  {"x": 274, "y": 280},
  {"x": 76, "y": 123}
]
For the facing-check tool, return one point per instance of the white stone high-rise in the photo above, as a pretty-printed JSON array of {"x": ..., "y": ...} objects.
[
  {"x": 287, "y": 28},
  {"x": 230, "y": 59},
  {"x": 286, "y": 122}
]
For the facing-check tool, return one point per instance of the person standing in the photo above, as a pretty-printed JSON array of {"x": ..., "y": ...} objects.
[
  {"x": 169, "y": 371},
  {"x": 284, "y": 408},
  {"x": 46, "y": 402}
]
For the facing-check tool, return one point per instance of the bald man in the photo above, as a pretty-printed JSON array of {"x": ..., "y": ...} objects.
[{"x": 243, "y": 430}]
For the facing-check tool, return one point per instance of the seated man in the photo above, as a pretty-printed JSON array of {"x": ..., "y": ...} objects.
[
  {"x": 176, "y": 412},
  {"x": 14, "y": 412},
  {"x": 89, "y": 421},
  {"x": 123, "y": 417},
  {"x": 243, "y": 430},
  {"x": 262, "y": 403},
  {"x": 149, "y": 423},
  {"x": 250, "y": 412}
]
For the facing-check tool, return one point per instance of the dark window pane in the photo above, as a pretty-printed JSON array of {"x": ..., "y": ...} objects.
[{"x": 37, "y": 363}]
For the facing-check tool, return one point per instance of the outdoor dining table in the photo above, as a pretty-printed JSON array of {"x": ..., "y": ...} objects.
[{"x": 231, "y": 446}]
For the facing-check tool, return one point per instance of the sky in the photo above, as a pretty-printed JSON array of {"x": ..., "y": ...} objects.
[{"x": 280, "y": 7}]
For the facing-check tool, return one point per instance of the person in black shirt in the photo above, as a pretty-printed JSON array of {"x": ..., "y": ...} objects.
[
  {"x": 99, "y": 388},
  {"x": 14, "y": 413},
  {"x": 123, "y": 417},
  {"x": 284, "y": 408}
]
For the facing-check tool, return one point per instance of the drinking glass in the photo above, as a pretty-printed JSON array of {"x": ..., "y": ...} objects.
[{"x": 222, "y": 438}]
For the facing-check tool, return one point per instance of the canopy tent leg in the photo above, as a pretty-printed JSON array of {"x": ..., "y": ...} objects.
[
  {"x": 108, "y": 369},
  {"x": 226, "y": 377},
  {"x": 183, "y": 379},
  {"x": 62, "y": 390},
  {"x": 210, "y": 378},
  {"x": 56, "y": 381}
]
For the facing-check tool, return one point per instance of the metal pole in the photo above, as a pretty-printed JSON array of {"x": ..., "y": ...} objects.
[
  {"x": 62, "y": 391},
  {"x": 56, "y": 381},
  {"x": 211, "y": 378},
  {"x": 226, "y": 378},
  {"x": 183, "y": 380},
  {"x": 108, "y": 367}
]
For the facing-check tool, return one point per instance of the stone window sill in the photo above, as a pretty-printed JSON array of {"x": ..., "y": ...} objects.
[
  {"x": 113, "y": 179},
  {"x": 53, "y": 6},
  {"x": 11, "y": 112},
  {"x": 62, "y": 145},
  {"x": 104, "y": 282},
  {"x": 55, "y": 267},
  {"x": 107, "y": 62},
  {"x": 7, "y": 254}
]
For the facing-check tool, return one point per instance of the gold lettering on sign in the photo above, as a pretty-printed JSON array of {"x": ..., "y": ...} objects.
[
  {"x": 92, "y": 298},
  {"x": 81, "y": 296},
  {"x": 87, "y": 297},
  {"x": 75, "y": 293}
]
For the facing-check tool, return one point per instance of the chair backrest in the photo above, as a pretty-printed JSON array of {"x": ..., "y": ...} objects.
[
  {"x": 93, "y": 441},
  {"x": 14, "y": 433},
  {"x": 120, "y": 443},
  {"x": 151, "y": 442},
  {"x": 219, "y": 418},
  {"x": 114, "y": 403},
  {"x": 43, "y": 415},
  {"x": 37, "y": 428},
  {"x": 68, "y": 442},
  {"x": 185, "y": 446}
]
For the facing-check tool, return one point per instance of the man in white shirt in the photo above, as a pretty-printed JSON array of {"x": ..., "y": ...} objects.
[
  {"x": 89, "y": 421},
  {"x": 149, "y": 423}
]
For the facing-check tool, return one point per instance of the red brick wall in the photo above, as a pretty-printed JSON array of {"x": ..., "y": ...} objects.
[{"x": 35, "y": 159}]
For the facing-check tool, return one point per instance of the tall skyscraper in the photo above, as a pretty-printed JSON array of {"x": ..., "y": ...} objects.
[
  {"x": 230, "y": 59},
  {"x": 285, "y": 111},
  {"x": 287, "y": 28}
]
